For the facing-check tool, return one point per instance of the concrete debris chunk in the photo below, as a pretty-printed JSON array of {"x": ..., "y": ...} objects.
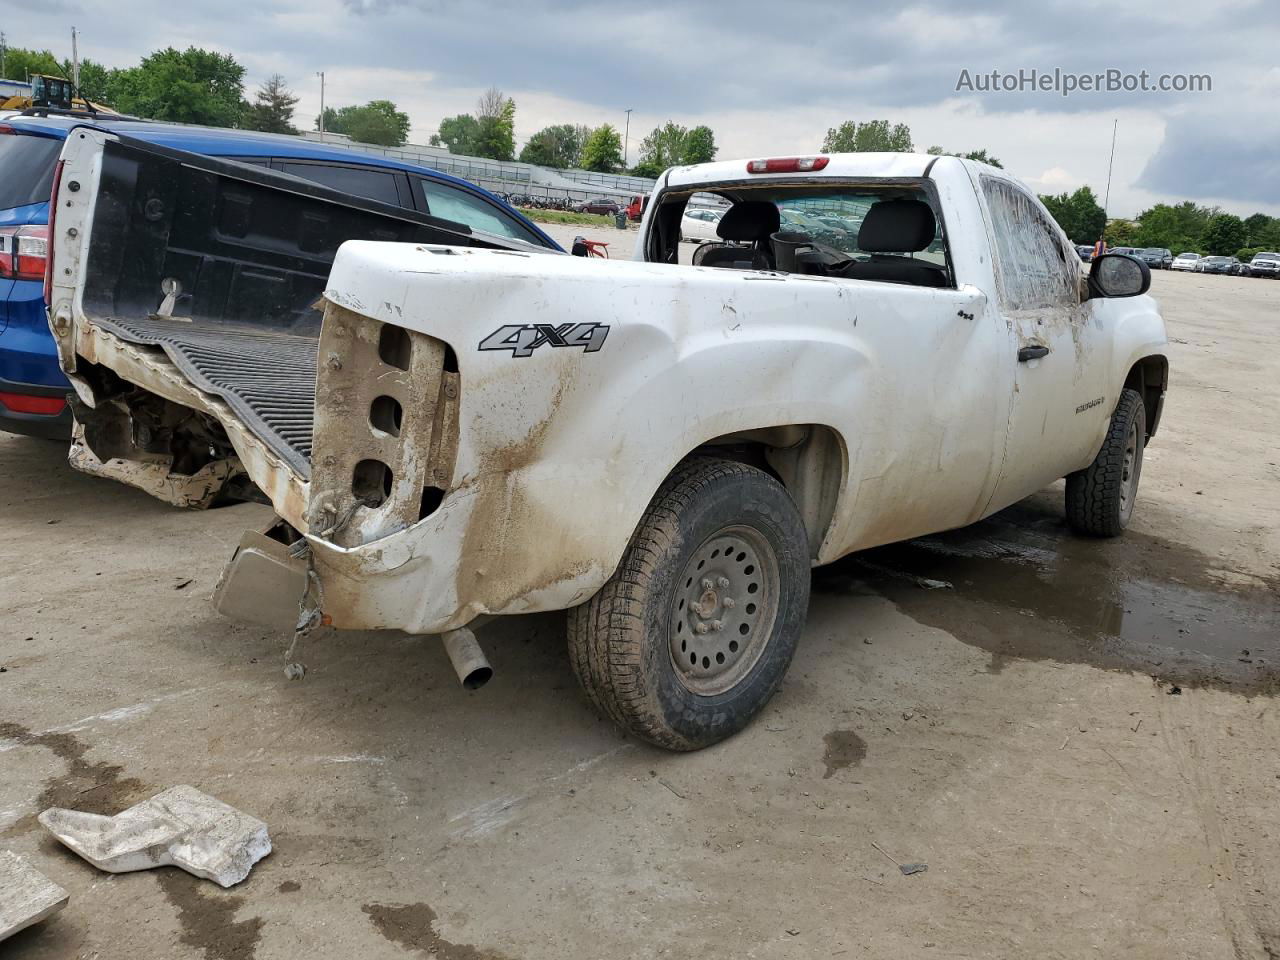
[
  {"x": 180, "y": 826},
  {"x": 26, "y": 895}
]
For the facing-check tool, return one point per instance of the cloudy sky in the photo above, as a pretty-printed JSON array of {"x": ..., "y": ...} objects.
[{"x": 771, "y": 77}]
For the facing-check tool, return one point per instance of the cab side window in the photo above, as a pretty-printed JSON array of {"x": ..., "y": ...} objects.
[
  {"x": 450, "y": 203},
  {"x": 357, "y": 181},
  {"x": 1033, "y": 268}
]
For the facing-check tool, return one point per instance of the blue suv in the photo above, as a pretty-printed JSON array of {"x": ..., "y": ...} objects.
[{"x": 33, "y": 389}]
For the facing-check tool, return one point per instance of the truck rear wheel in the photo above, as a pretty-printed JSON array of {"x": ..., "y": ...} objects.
[
  {"x": 1100, "y": 497},
  {"x": 691, "y": 636}
]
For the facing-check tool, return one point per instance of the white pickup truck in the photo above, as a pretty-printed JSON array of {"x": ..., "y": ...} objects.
[{"x": 450, "y": 425}]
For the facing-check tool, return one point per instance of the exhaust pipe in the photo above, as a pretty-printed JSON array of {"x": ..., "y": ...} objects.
[{"x": 467, "y": 658}]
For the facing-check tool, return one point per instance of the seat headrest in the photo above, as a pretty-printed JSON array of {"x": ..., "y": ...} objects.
[
  {"x": 749, "y": 220},
  {"x": 897, "y": 226}
]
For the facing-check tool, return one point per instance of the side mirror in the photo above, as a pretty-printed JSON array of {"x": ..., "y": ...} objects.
[{"x": 1118, "y": 275}]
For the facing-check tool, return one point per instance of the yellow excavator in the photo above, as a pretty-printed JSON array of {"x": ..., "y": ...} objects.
[{"x": 43, "y": 90}]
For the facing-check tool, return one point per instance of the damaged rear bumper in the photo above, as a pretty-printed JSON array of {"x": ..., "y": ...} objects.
[{"x": 383, "y": 530}]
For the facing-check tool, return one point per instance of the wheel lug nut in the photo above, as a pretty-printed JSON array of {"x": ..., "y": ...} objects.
[
  {"x": 728, "y": 603},
  {"x": 700, "y": 628},
  {"x": 706, "y": 583},
  {"x": 722, "y": 582},
  {"x": 717, "y": 626}
]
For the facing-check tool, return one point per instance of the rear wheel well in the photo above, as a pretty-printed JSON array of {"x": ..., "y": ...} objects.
[
  {"x": 807, "y": 459},
  {"x": 1150, "y": 377}
]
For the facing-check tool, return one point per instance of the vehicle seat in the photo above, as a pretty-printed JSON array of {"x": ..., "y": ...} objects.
[
  {"x": 747, "y": 221},
  {"x": 896, "y": 227}
]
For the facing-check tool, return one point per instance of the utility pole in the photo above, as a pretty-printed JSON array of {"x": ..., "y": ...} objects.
[
  {"x": 75, "y": 63},
  {"x": 626, "y": 137},
  {"x": 3, "y": 49},
  {"x": 320, "y": 74}
]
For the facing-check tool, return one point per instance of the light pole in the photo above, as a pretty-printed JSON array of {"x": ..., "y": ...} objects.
[
  {"x": 626, "y": 137},
  {"x": 320, "y": 74}
]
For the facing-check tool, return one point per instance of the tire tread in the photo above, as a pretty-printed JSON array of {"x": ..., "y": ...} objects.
[{"x": 1093, "y": 494}]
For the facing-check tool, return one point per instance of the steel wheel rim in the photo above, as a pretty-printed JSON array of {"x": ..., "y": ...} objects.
[
  {"x": 1130, "y": 469},
  {"x": 723, "y": 608}
]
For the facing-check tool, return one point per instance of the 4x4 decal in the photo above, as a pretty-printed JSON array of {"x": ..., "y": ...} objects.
[{"x": 523, "y": 339}]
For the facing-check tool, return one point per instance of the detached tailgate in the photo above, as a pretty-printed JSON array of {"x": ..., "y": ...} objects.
[{"x": 211, "y": 269}]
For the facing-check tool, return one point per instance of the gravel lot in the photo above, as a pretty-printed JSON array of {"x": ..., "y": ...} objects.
[{"x": 1007, "y": 732}]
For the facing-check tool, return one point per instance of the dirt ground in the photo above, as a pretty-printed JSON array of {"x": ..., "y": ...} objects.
[{"x": 1078, "y": 738}]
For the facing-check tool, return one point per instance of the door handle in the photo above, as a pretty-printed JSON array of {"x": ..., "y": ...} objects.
[{"x": 1034, "y": 352}]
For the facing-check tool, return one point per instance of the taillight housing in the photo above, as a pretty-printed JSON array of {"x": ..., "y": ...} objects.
[
  {"x": 787, "y": 164},
  {"x": 24, "y": 252}
]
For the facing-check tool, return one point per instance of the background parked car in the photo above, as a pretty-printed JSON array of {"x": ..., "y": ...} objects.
[
  {"x": 636, "y": 208},
  {"x": 599, "y": 205},
  {"x": 699, "y": 225},
  {"x": 1265, "y": 265},
  {"x": 1225, "y": 265},
  {"x": 1085, "y": 252},
  {"x": 1185, "y": 261},
  {"x": 33, "y": 389},
  {"x": 1157, "y": 258}
]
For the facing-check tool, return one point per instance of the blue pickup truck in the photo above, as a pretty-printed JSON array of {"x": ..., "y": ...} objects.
[{"x": 33, "y": 389}]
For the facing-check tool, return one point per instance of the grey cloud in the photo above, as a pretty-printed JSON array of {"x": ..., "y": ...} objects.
[
  {"x": 691, "y": 53},
  {"x": 1217, "y": 157}
]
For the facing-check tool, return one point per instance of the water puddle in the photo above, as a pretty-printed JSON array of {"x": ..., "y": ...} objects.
[{"x": 1020, "y": 585}]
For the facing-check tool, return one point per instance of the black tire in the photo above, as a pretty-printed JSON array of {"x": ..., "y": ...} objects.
[
  {"x": 623, "y": 642},
  {"x": 1100, "y": 498}
]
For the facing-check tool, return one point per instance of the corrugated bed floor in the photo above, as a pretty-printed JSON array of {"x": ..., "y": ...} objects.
[{"x": 268, "y": 379}]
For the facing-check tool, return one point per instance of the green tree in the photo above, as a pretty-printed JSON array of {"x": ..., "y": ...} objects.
[
  {"x": 20, "y": 63},
  {"x": 188, "y": 86},
  {"x": 495, "y": 126},
  {"x": 1263, "y": 231},
  {"x": 700, "y": 145},
  {"x": 1079, "y": 214},
  {"x": 869, "y": 136},
  {"x": 95, "y": 81},
  {"x": 671, "y": 145},
  {"x": 982, "y": 156},
  {"x": 457, "y": 133},
  {"x": 665, "y": 146},
  {"x": 557, "y": 146},
  {"x": 1123, "y": 233},
  {"x": 1090, "y": 219},
  {"x": 603, "y": 150},
  {"x": 272, "y": 109},
  {"x": 646, "y": 168},
  {"x": 1059, "y": 207},
  {"x": 1224, "y": 234},
  {"x": 1178, "y": 227},
  {"x": 378, "y": 121}
]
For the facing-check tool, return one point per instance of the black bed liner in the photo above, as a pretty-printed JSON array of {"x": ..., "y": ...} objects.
[
  {"x": 248, "y": 252},
  {"x": 268, "y": 379}
]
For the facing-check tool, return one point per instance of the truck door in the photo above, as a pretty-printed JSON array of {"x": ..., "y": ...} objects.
[{"x": 1056, "y": 347}]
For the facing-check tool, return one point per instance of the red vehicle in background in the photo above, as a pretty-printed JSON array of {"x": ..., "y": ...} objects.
[{"x": 636, "y": 208}]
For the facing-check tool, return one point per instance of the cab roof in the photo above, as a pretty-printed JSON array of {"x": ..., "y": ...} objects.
[{"x": 844, "y": 165}]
